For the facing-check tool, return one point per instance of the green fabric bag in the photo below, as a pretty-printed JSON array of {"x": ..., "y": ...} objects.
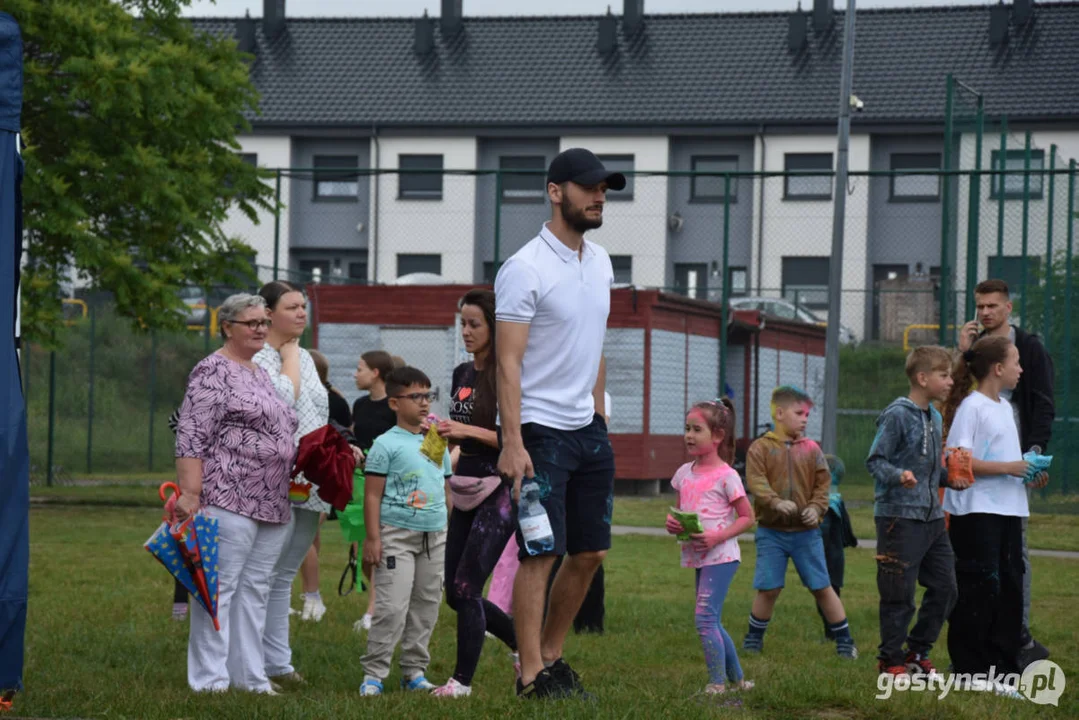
[{"x": 352, "y": 525}]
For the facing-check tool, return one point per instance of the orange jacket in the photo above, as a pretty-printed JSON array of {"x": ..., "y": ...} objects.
[{"x": 778, "y": 469}]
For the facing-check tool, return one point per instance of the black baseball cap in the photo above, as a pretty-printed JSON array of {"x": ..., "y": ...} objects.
[{"x": 582, "y": 167}]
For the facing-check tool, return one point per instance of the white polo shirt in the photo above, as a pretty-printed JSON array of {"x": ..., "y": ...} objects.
[{"x": 565, "y": 299}]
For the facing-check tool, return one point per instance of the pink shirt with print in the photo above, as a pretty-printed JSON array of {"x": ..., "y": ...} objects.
[{"x": 711, "y": 493}]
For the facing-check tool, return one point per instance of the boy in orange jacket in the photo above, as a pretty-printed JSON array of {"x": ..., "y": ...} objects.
[{"x": 789, "y": 479}]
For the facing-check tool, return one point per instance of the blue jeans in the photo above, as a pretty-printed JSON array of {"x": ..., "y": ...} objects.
[
  {"x": 804, "y": 547},
  {"x": 713, "y": 581}
]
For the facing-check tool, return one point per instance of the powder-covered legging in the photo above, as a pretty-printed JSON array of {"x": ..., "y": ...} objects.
[
  {"x": 475, "y": 541},
  {"x": 713, "y": 581}
]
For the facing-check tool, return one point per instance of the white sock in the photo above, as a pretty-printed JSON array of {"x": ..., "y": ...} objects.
[
  {"x": 314, "y": 596},
  {"x": 372, "y": 678}
]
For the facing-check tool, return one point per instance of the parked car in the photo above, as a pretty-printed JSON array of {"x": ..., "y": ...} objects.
[
  {"x": 195, "y": 299},
  {"x": 786, "y": 310}
]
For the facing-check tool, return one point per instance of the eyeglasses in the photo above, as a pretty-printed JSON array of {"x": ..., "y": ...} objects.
[
  {"x": 252, "y": 325},
  {"x": 417, "y": 397}
]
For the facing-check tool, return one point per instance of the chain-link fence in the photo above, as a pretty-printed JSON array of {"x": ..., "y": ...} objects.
[{"x": 930, "y": 219}]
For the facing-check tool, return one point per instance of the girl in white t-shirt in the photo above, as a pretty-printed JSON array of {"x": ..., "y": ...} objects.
[
  {"x": 985, "y": 526},
  {"x": 710, "y": 487}
]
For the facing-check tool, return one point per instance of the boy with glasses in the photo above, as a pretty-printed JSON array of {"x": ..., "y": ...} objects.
[{"x": 405, "y": 513}]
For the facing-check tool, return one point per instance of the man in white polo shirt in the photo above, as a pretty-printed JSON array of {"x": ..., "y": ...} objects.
[{"x": 552, "y": 299}]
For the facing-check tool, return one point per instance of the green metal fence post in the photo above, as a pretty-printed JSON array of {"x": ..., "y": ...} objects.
[
  {"x": 1001, "y": 181},
  {"x": 153, "y": 399},
  {"x": 1068, "y": 284},
  {"x": 1026, "y": 229},
  {"x": 277, "y": 222},
  {"x": 90, "y": 399},
  {"x": 52, "y": 418},
  {"x": 974, "y": 214},
  {"x": 725, "y": 295},
  {"x": 498, "y": 224},
  {"x": 1047, "y": 326},
  {"x": 945, "y": 216}
]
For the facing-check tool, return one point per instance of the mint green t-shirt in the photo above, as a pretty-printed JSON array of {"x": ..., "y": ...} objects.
[{"x": 415, "y": 496}]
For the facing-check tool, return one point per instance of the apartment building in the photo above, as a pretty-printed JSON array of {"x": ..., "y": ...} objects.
[{"x": 663, "y": 96}]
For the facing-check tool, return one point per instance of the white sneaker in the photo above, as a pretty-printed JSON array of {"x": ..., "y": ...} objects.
[
  {"x": 293, "y": 611},
  {"x": 452, "y": 688},
  {"x": 313, "y": 609}
]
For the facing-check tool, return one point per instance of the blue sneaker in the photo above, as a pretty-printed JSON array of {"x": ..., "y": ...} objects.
[
  {"x": 370, "y": 687},
  {"x": 417, "y": 683}
]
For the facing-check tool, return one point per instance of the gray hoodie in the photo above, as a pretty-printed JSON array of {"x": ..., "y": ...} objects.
[{"x": 908, "y": 438}]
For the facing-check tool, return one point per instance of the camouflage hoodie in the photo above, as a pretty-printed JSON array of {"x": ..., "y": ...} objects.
[
  {"x": 908, "y": 438},
  {"x": 780, "y": 469}
]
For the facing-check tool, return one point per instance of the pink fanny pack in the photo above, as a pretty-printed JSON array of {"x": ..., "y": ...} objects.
[{"x": 469, "y": 492}]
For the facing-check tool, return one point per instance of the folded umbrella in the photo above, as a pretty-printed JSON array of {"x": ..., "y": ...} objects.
[
  {"x": 325, "y": 459},
  {"x": 188, "y": 550}
]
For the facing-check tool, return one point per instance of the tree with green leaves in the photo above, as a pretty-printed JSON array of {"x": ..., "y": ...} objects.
[{"x": 129, "y": 120}]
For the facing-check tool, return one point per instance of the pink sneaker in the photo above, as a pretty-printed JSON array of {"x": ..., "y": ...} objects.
[{"x": 452, "y": 689}]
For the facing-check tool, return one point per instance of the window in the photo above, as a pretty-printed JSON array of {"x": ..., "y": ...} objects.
[
  {"x": 419, "y": 185},
  {"x": 248, "y": 158},
  {"x": 1013, "y": 181},
  {"x": 408, "y": 264},
  {"x": 623, "y": 268},
  {"x": 357, "y": 271},
  {"x": 805, "y": 281},
  {"x": 915, "y": 188},
  {"x": 1009, "y": 268},
  {"x": 624, "y": 165},
  {"x": 710, "y": 188},
  {"x": 738, "y": 281},
  {"x": 799, "y": 185},
  {"x": 523, "y": 178},
  {"x": 691, "y": 280},
  {"x": 341, "y": 185},
  {"x": 489, "y": 272},
  {"x": 315, "y": 271}
]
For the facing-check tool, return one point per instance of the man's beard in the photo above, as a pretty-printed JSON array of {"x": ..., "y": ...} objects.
[{"x": 577, "y": 219}]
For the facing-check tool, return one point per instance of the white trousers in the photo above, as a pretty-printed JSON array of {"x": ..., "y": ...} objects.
[
  {"x": 301, "y": 533},
  {"x": 247, "y": 551}
]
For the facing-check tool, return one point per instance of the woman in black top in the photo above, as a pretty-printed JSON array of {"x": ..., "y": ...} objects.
[{"x": 482, "y": 519}]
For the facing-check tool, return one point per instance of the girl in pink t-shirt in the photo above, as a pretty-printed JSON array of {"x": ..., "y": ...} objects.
[{"x": 710, "y": 487}]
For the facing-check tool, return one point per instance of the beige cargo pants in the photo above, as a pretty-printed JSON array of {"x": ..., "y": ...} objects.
[{"x": 409, "y": 583}]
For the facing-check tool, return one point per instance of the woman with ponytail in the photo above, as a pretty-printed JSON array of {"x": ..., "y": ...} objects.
[{"x": 986, "y": 625}]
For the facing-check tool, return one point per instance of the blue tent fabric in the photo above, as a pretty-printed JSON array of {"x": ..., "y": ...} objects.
[
  {"x": 10, "y": 73},
  {"x": 14, "y": 450}
]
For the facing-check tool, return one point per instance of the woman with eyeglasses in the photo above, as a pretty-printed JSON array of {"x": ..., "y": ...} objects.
[
  {"x": 294, "y": 375},
  {"x": 235, "y": 448}
]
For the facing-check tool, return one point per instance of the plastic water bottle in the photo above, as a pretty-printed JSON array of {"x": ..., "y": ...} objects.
[{"x": 535, "y": 525}]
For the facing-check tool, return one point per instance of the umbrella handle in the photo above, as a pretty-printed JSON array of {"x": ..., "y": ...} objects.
[{"x": 165, "y": 486}]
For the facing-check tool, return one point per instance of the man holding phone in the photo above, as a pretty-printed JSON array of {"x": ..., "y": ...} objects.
[{"x": 1032, "y": 403}]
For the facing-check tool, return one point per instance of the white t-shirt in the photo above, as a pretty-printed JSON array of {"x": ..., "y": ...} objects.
[
  {"x": 607, "y": 403},
  {"x": 565, "y": 299},
  {"x": 987, "y": 429}
]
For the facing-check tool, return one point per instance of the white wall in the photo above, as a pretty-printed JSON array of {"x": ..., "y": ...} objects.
[
  {"x": 804, "y": 228},
  {"x": 1037, "y": 209},
  {"x": 637, "y": 227},
  {"x": 273, "y": 152},
  {"x": 445, "y": 226}
]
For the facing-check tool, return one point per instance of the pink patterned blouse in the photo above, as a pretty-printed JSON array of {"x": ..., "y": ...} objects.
[
  {"x": 711, "y": 493},
  {"x": 233, "y": 420}
]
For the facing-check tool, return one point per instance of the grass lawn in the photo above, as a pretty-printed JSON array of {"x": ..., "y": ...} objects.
[
  {"x": 100, "y": 642},
  {"x": 1053, "y": 526}
]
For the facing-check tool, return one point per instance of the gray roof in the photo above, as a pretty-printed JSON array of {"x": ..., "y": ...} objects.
[{"x": 682, "y": 70}]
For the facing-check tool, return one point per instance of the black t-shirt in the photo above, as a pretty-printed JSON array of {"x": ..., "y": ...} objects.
[
  {"x": 339, "y": 411},
  {"x": 477, "y": 459},
  {"x": 371, "y": 418}
]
